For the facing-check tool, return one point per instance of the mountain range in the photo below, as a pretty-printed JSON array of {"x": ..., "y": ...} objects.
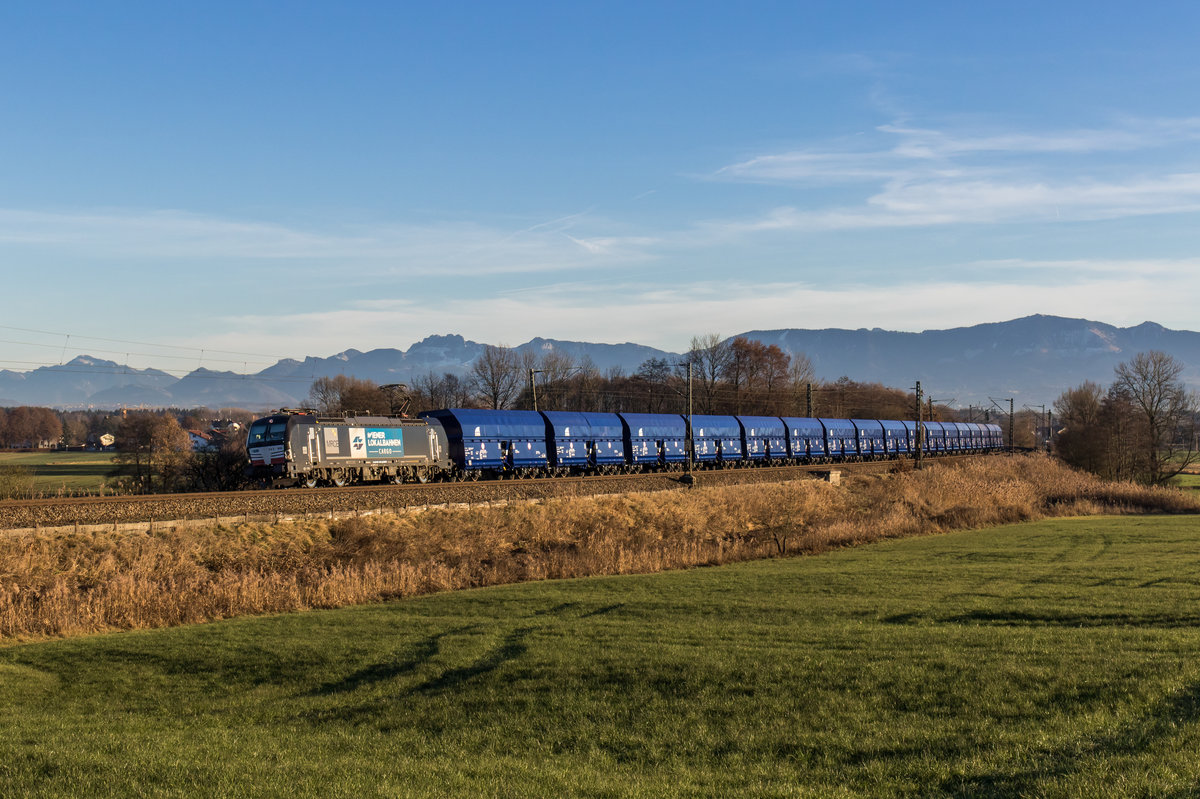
[{"x": 1032, "y": 359}]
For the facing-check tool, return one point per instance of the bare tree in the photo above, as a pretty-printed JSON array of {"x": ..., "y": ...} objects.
[
  {"x": 654, "y": 387},
  {"x": 555, "y": 367},
  {"x": 458, "y": 391},
  {"x": 1166, "y": 409},
  {"x": 709, "y": 356},
  {"x": 155, "y": 450},
  {"x": 1082, "y": 441},
  {"x": 446, "y": 391},
  {"x": 29, "y": 426},
  {"x": 801, "y": 376},
  {"x": 342, "y": 394},
  {"x": 496, "y": 376},
  {"x": 222, "y": 468}
]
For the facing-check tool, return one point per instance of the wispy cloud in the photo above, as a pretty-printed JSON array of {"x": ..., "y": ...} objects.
[
  {"x": 930, "y": 177},
  {"x": 1130, "y": 135},
  {"x": 924, "y": 203},
  {"x": 611, "y": 312},
  {"x": 897, "y": 152},
  {"x": 448, "y": 248}
]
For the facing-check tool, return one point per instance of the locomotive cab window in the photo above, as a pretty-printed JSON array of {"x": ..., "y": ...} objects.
[{"x": 267, "y": 432}]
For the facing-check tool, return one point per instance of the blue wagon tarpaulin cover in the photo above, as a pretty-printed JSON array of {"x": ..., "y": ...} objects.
[
  {"x": 643, "y": 431},
  {"x": 895, "y": 436},
  {"x": 478, "y": 437},
  {"x": 764, "y": 436},
  {"x": 870, "y": 436},
  {"x": 936, "y": 435},
  {"x": 714, "y": 436},
  {"x": 571, "y": 433},
  {"x": 841, "y": 437},
  {"x": 806, "y": 436}
]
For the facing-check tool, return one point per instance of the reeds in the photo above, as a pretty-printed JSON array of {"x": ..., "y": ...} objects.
[{"x": 88, "y": 582}]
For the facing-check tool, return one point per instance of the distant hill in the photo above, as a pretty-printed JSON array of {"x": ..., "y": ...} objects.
[{"x": 1032, "y": 359}]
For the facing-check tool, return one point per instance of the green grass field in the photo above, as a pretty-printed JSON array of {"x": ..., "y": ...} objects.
[
  {"x": 1052, "y": 659},
  {"x": 1191, "y": 481},
  {"x": 68, "y": 471}
]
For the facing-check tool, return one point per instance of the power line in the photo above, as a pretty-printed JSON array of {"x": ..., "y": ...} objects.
[
  {"x": 145, "y": 373},
  {"x": 126, "y": 353},
  {"x": 201, "y": 350}
]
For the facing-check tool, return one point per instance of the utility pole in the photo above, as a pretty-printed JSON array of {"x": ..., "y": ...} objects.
[
  {"x": 1012, "y": 442},
  {"x": 1041, "y": 418},
  {"x": 533, "y": 386},
  {"x": 808, "y": 400},
  {"x": 920, "y": 431},
  {"x": 688, "y": 478},
  {"x": 1010, "y": 418}
]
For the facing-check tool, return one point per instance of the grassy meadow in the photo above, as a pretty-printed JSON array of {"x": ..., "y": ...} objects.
[
  {"x": 1056, "y": 658},
  {"x": 50, "y": 472},
  {"x": 1188, "y": 481}
]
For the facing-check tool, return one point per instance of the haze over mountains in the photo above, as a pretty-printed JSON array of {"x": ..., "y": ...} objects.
[{"x": 1032, "y": 359}]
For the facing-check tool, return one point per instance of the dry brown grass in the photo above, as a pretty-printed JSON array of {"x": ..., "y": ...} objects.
[{"x": 88, "y": 582}]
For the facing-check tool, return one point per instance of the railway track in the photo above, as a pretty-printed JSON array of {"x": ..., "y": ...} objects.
[{"x": 292, "y": 502}]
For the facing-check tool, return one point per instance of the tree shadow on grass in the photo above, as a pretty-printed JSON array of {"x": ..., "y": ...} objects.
[
  {"x": 406, "y": 662},
  {"x": 1021, "y": 618},
  {"x": 1161, "y": 721},
  {"x": 374, "y": 707},
  {"x": 511, "y": 647}
]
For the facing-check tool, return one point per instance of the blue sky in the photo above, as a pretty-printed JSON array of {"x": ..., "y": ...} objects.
[{"x": 259, "y": 180}]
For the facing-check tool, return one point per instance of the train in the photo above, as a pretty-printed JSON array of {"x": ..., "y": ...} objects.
[{"x": 302, "y": 447}]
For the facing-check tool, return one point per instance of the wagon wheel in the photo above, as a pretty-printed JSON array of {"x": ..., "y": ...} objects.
[
  {"x": 309, "y": 480},
  {"x": 338, "y": 478}
]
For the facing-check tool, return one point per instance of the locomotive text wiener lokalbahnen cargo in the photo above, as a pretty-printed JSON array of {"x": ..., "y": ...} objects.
[{"x": 301, "y": 447}]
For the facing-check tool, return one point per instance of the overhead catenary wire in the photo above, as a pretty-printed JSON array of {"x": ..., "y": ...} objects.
[
  {"x": 69, "y": 335},
  {"x": 151, "y": 373},
  {"x": 127, "y": 354}
]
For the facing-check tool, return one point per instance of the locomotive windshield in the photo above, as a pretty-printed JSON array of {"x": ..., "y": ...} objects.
[{"x": 267, "y": 431}]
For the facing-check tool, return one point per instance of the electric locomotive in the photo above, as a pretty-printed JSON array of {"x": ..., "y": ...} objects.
[{"x": 299, "y": 447}]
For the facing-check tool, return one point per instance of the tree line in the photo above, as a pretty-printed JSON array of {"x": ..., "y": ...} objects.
[
  {"x": 735, "y": 376},
  {"x": 1142, "y": 427},
  {"x": 153, "y": 448}
]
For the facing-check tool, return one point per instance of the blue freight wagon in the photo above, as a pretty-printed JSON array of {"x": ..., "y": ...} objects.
[
  {"x": 972, "y": 441},
  {"x": 841, "y": 439},
  {"x": 497, "y": 442},
  {"x": 763, "y": 438},
  {"x": 585, "y": 441},
  {"x": 805, "y": 438},
  {"x": 995, "y": 436},
  {"x": 870, "y": 438},
  {"x": 895, "y": 438},
  {"x": 654, "y": 440},
  {"x": 716, "y": 439},
  {"x": 935, "y": 435}
]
